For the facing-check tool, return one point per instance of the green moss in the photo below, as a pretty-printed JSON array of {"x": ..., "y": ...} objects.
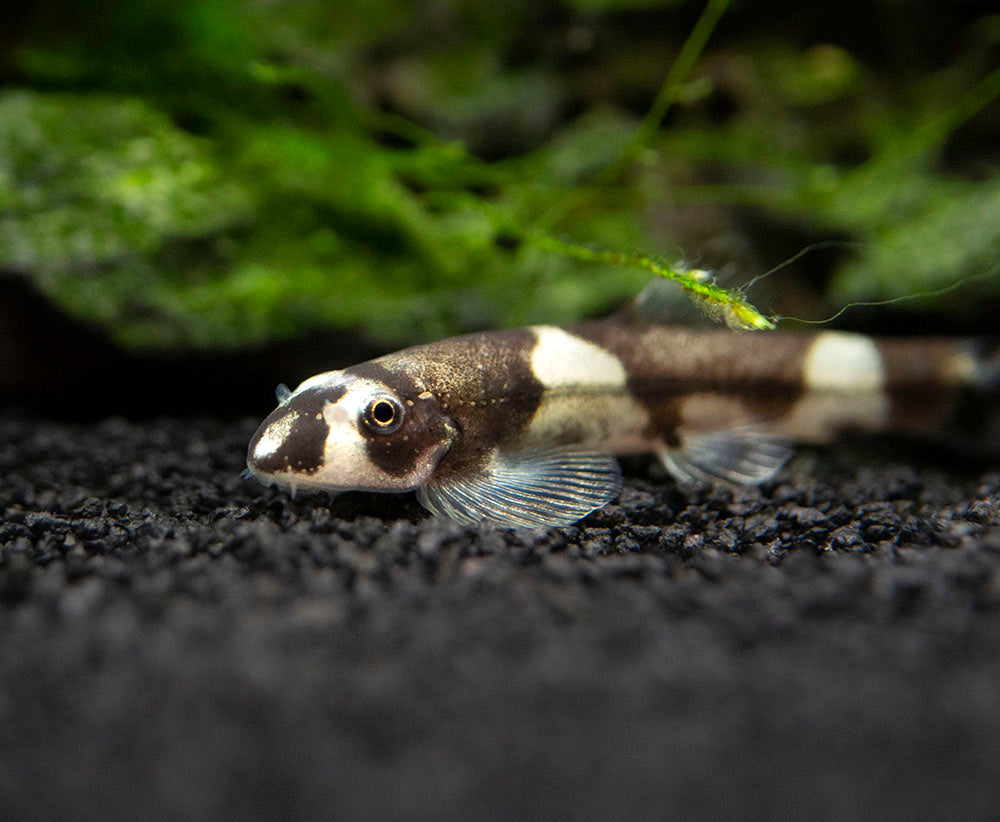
[{"x": 217, "y": 172}]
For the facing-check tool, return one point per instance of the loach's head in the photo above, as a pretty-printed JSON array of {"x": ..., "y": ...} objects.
[{"x": 342, "y": 432}]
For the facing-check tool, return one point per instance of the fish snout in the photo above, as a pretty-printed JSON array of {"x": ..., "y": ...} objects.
[{"x": 288, "y": 441}]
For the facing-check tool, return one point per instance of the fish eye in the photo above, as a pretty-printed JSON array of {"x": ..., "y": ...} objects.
[{"x": 383, "y": 415}]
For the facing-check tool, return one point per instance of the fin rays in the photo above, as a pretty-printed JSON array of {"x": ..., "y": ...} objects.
[
  {"x": 742, "y": 456},
  {"x": 530, "y": 489}
]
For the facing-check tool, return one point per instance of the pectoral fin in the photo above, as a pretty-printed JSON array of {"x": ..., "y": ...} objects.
[
  {"x": 744, "y": 456},
  {"x": 528, "y": 488}
]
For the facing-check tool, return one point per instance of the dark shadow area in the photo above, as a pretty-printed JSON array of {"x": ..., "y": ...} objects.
[{"x": 54, "y": 364}]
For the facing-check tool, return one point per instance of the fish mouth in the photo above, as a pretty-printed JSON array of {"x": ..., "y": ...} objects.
[
  {"x": 291, "y": 481},
  {"x": 251, "y": 473}
]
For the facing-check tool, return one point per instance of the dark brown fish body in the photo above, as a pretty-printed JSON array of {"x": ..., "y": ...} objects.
[{"x": 519, "y": 427}]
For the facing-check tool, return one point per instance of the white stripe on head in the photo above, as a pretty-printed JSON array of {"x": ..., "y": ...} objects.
[
  {"x": 327, "y": 379},
  {"x": 276, "y": 433}
]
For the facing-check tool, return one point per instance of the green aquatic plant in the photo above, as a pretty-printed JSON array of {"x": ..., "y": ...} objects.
[
  {"x": 728, "y": 306},
  {"x": 215, "y": 173}
]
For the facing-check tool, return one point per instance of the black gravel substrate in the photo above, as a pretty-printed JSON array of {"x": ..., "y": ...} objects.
[{"x": 179, "y": 643}]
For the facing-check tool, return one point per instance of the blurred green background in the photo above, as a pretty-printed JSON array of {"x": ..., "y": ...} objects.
[{"x": 218, "y": 173}]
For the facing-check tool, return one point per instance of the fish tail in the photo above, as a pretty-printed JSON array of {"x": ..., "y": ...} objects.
[
  {"x": 976, "y": 417},
  {"x": 986, "y": 355},
  {"x": 937, "y": 388}
]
